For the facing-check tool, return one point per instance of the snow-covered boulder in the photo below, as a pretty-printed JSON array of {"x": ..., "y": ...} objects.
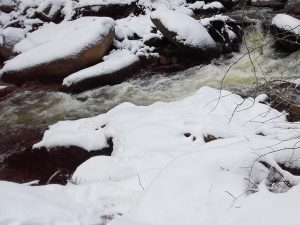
[
  {"x": 116, "y": 68},
  {"x": 186, "y": 33},
  {"x": 286, "y": 31},
  {"x": 55, "y": 51},
  {"x": 9, "y": 37}
]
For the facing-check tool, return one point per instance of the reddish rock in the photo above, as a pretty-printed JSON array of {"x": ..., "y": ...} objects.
[{"x": 41, "y": 164}]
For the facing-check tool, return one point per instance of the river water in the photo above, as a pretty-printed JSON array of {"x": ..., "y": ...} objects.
[{"x": 26, "y": 113}]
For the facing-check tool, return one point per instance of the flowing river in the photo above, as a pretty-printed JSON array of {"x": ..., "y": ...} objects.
[{"x": 26, "y": 113}]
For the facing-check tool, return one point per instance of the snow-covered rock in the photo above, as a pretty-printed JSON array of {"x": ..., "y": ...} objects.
[
  {"x": 185, "y": 32},
  {"x": 50, "y": 10},
  {"x": 7, "y": 5},
  {"x": 9, "y": 37},
  {"x": 56, "y": 51},
  {"x": 286, "y": 30},
  {"x": 115, "y": 68}
]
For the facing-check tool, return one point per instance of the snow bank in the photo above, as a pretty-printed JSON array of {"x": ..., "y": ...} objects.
[
  {"x": 55, "y": 42},
  {"x": 134, "y": 128},
  {"x": 188, "y": 30},
  {"x": 112, "y": 63},
  {"x": 211, "y": 186},
  {"x": 287, "y": 23},
  {"x": 160, "y": 163}
]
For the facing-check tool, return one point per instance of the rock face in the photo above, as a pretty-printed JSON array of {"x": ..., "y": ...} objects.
[
  {"x": 56, "y": 51},
  {"x": 274, "y": 4},
  {"x": 186, "y": 33},
  {"x": 286, "y": 31},
  {"x": 115, "y": 69}
]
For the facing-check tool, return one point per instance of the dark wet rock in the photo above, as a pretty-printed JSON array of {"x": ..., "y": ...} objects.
[
  {"x": 226, "y": 33},
  {"x": 41, "y": 164},
  {"x": 115, "y": 11},
  {"x": 7, "y": 6},
  {"x": 284, "y": 97},
  {"x": 286, "y": 38},
  {"x": 227, "y": 3},
  {"x": 274, "y": 4},
  {"x": 6, "y": 91},
  {"x": 209, "y": 137},
  {"x": 294, "y": 10}
]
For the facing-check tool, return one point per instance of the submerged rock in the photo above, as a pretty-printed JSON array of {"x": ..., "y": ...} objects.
[
  {"x": 55, "y": 51},
  {"x": 186, "y": 33}
]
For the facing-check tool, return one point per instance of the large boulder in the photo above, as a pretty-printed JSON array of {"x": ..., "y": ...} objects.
[
  {"x": 286, "y": 31},
  {"x": 116, "y": 68},
  {"x": 55, "y": 51},
  {"x": 186, "y": 33}
]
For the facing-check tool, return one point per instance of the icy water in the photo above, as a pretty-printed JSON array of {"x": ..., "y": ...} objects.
[{"x": 27, "y": 113}]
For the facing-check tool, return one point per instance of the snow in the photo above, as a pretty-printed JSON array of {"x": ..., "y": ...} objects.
[
  {"x": 213, "y": 5},
  {"x": 11, "y": 35},
  {"x": 188, "y": 30},
  {"x": 134, "y": 128},
  {"x": 206, "y": 21},
  {"x": 57, "y": 41},
  {"x": 287, "y": 22},
  {"x": 155, "y": 169},
  {"x": 140, "y": 25},
  {"x": 113, "y": 62},
  {"x": 197, "y": 5}
]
